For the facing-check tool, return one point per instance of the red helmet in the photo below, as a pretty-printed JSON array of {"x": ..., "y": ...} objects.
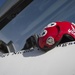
[{"x": 54, "y": 32}]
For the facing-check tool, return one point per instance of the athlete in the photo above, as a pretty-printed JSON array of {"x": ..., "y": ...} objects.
[{"x": 52, "y": 35}]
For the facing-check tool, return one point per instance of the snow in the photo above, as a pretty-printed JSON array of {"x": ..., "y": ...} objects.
[{"x": 58, "y": 61}]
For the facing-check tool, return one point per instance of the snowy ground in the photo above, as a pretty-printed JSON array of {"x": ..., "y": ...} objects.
[{"x": 59, "y": 61}]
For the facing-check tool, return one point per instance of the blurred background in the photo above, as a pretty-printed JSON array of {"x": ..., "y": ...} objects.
[{"x": 34, "y": 17}]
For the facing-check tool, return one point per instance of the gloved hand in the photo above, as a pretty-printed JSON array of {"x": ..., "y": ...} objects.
[{"x": 30, "y": 42}]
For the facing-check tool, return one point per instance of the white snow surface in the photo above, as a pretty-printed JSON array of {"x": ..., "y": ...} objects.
[{"x": 58, "y": 61}]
